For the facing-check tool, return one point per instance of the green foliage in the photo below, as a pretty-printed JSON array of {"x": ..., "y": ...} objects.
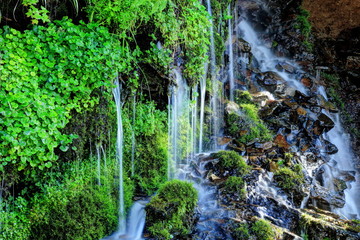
[
  {"x": 45, "y": 74},
  {"x": 333, "y": 83},
  {"x": 235, "y": 185},
  {"x": 354, "y": 225},
  {"x": 14, "y": 223},
  {"x": 231, "y": 161},
  {"x": 305, "y": 26},
  {"x": 170, "y": 212},
  {"x": 243, "y": 97},
  {"x": 241, "y": 232},
  {"x": 69, "y": 208},
  {"x": 36, "y": 13},
  {"x": 263, "y": 230},
  {"x": 289, "y": 179},
  {"x": 186, "y": 23},
  {"x": 151, "y": 149},
  {"x": 124, "y": 16}
]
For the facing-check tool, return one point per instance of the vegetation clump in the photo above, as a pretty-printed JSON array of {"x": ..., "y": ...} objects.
[
  {"x": 245, "y": 124},
  {"x": 290, "y": 179},
  {"x": 259, "y": 230},
  {"x": 231, "y": 163},
  {"x": 304, "y": 25},
  {"x": 170, "y": 213},
  {"x": 263, "y": 230},
  {"x": 235, "y": 186}
]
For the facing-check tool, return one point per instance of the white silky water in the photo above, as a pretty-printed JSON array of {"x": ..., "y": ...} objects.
[{"x": 119, "y": 155}]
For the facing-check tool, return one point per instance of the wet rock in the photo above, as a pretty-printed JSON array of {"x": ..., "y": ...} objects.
[
  {"x": 270, "y": 80},
  {"x": 232, "y": 107},
  {"x": 327, "y": 105},
  {"x": 301, "y": 98},
  {"x": 319, "y": 224},
  {"x": 330, "y": 148},
  {"x": 280, "y": 141},
  {"x": 262, "y": 97},
  {"x": 353, "y": 63},
  {"x": 307, "y": 82},
  {"x": 224, "y": 140},
  {"x": 243, "y": 46},
  {"x": 325, "y": 122},
  {"x": 325, "y": 199},
  {"x": 264, "y": 146},
  {"x": 340, "y": 185},
  {"x": 214, "y": 178},
  {"x": 285, "y": 67},
  {"x": 249, "y": 5}
]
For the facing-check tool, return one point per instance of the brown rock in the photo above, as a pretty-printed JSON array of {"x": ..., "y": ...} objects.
[{"x": 280, "y": 141}]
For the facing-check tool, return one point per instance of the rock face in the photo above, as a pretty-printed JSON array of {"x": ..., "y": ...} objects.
[{"x": 328, "y": 24}]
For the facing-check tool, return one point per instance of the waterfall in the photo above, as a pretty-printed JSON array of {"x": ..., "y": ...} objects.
[
  {"x": 133, "y": 143},
  {"x": 202, "y": 107},
  {"x": 179, "y": 123},
  {"x": 98, "y": 163},
  {"x": 135, "y": 223},
  {"x": 265, "y": 58},
  {"x": 343, "y": 160},
  {"x": 194, "y": 104},
  {"x": 215, "y": 83},
  {"x": 119, "y": 155},
  {"x": 231, "y": 58}
]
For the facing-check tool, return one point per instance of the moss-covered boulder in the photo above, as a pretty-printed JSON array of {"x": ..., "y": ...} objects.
[
  {"x": 170, "y": 214},
  {"x": 230, "y": 163}
]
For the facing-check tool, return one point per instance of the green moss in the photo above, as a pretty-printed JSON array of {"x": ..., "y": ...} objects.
[
  {"x": 304, "y": 25},
  {"x": 235, "y": 185},
  {"x": 241, "y": 232},
  {"x": 170, "y": 212},
  {"x": 246, "y": 124},
  {"x": 232, "y": 162},
  {"x": 243, "y": 97},
  {"x": 263, "y": 230},
  {"x": 289, "y": 179}
]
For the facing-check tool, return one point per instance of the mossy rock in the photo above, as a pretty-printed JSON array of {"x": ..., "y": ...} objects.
[
  {"x": 170, "y": 214},
  {"x": 230, "y": 163}
]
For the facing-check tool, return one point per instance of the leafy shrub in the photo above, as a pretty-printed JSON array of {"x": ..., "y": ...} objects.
[
  {"x": 232, "y": 162},
  {"x": 170, "y": 212},
  {"x": 45, "y": 74},
  {"x": 76, "y": 208},
  {"x": 263, "y": 230},
  {"x": 151, "y": 145},
  {"x": 14, "y": 223}
]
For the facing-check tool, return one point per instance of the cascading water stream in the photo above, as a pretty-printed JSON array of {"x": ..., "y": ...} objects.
[
  {"x": 179, "y": 123},
  {"x": 119, "y": 155},
  {"x": 215, "y": 120},
  {"x": 231, "y": 58},
  {"x": 340, "y": 162},
  {"x": 133, "y": 142},
  {"x": 202, "y": 108},
  {"x": 265, "y": 58}
]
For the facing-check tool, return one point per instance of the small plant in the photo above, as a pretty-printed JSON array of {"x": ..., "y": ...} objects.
[
  {"x": 263, "y": 230},
  {"x": 232, "y": 162},
  {"x": 304, "y": 25},
  {"x": 243, "y": 97}
]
